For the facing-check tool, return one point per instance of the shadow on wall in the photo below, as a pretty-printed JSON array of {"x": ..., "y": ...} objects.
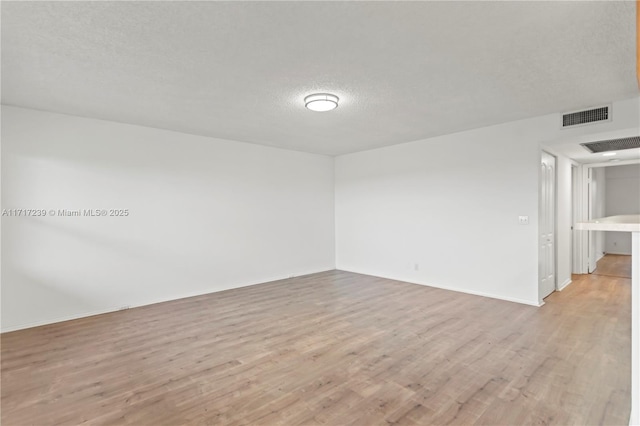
[
  {"x": 68, "y": 264},
  {"x": 38, "y": 295}
]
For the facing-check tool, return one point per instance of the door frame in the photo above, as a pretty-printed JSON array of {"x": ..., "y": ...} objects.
[{"x": 576, "y": 216}]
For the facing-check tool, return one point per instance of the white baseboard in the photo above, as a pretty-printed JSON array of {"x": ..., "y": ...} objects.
[
  {"x": 564, "y": 284},
  {"x": 459, "y": 290},
  {"x": 146, "y": 303},
  {"x": 619, "y": 254}
]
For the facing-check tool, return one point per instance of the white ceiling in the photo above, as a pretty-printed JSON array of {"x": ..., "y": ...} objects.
[
  {"x": 583, "y": 156},
  {"x": 239, "y": 70},
  {"x": 572, "y": 148}
]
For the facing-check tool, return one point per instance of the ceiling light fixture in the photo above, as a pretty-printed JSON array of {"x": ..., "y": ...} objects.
[
  {"x": 608, "y": 154},
  {"x": 321, "y": 102}
]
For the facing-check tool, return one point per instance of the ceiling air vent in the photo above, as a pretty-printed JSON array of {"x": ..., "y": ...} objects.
[
  {"x": 613, "y": 144},
  {"x": 585, "y": 117}
]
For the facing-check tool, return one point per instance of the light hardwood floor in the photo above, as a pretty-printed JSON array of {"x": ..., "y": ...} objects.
[
  {"x": 614, "y": 265},
  {"x": 332, "y": 348}
]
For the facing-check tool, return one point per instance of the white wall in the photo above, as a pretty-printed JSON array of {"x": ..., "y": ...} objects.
[
  {"x": 622, "y": 197},
  {"x": 205, "y": 215},
  {"x": 450, "y": 204}
]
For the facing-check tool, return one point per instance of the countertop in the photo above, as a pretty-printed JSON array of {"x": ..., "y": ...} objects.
[{"x": 628, "y": 223}]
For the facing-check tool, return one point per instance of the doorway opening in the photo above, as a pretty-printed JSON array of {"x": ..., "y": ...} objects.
[{"x": 613, "y": 190}]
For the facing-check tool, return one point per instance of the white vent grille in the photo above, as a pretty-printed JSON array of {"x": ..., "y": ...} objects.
[
  {"x": 584, "y": 117},
  {"x": 613, "y": 144}
]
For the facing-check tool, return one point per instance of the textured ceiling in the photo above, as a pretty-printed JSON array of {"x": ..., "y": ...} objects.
[{"x": 239, "y": 70}]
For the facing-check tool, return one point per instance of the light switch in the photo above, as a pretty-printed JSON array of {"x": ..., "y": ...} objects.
[{"x": 523, "y": 220}]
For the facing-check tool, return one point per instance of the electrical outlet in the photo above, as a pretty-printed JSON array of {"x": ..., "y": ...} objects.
[{"x": 523, "y": 220}]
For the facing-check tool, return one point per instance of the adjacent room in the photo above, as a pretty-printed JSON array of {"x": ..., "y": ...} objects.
[
  {"x": 336, "y": 213},
  {"x": 619, "y": 194}
]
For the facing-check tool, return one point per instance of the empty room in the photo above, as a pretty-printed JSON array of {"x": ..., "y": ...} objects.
[{"x": 320, "y": 213}]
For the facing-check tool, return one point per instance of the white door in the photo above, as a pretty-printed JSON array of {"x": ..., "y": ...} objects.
[{"x": 547, "y": 228}]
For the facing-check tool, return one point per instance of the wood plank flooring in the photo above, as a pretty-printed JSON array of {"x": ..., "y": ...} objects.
[
  {"x": 333, "y": 348},
  {"x": 614, "y": 265}
]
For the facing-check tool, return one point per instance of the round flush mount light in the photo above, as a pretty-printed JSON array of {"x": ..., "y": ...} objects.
[{"x": 321, "y": 102}]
